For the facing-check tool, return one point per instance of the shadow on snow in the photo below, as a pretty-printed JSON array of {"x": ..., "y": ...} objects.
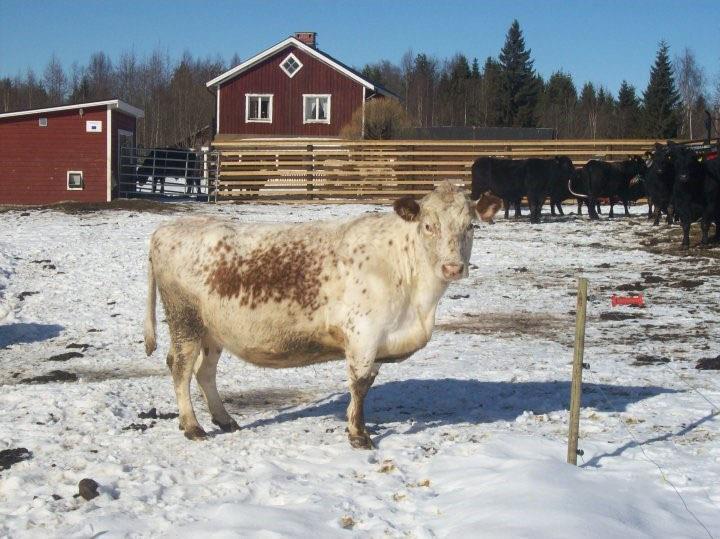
[
  {"x": 23, "y": 332},
  {"x": 449, "y": 401}
]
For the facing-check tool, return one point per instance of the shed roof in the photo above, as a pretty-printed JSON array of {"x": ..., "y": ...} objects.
[
  {"x": 316, "y": 53},
  {"x": 112, "y": 104}
]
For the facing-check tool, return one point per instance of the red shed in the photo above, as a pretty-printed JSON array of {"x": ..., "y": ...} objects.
[
  {"x": 64, "y": 153},
  {"x": 290, "y": 89}
]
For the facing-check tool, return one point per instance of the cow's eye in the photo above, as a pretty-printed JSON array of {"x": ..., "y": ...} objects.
[{"x": 428, "y": 228}]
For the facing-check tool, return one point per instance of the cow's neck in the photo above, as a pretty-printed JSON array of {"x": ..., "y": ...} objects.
[{"x": 426, "y": 288}]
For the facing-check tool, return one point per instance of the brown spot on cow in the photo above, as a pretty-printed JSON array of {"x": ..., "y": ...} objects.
[{"x": 287, "y": 271}]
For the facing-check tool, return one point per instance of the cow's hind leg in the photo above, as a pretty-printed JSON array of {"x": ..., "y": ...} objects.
[
  {"x": 184, "y": 356},
  {"x": 205, "y": 373},
  {"x": 186, "y": 335}
]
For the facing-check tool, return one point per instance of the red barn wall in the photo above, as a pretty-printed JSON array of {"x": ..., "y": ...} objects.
[
  {"x": 34, "y": 160},
  {"x": 315, "y": 77}
]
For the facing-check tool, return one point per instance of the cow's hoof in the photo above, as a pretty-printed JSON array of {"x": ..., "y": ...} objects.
[
  {"x": 361, "y": 441},
  {"x": 195, "y": 433},
  {"x": 232, "y": 426}
]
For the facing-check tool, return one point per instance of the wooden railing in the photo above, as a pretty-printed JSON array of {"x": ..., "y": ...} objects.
[{"x": 320, "y": 170}]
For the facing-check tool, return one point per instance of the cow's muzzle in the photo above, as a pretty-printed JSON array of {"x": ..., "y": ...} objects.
[{"x": 452, "y": 272}]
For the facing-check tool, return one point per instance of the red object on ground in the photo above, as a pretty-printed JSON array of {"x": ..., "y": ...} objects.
[
  {"x": 710, "y": 156},
  {"x": 627, "y": 300}
]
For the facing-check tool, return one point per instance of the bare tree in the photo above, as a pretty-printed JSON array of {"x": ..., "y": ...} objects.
[
  {"x": 690, "y": 81},
  {"x": 55, "y": 82}
]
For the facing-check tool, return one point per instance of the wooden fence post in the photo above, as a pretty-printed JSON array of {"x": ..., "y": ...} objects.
[
  {"x": 576, "y": 387},
  {"x": 309, "y": 174}
]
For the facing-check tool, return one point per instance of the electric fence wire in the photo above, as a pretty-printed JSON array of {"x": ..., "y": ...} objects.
[{"x": 647, "y": 457}]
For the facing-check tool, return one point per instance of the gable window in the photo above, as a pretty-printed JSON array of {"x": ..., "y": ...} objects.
[
  {"x": 291, "y": 65},
  {"x": 316, "y": 108},
  {"x": 75, "y": 180},
  {"x": 258, "y": 108}
]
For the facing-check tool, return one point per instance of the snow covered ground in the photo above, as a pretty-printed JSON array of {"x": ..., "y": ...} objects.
[{"x": 470, "y": 432}]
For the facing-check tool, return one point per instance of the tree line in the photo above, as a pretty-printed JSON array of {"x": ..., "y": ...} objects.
[
  {"x": 505, "y": 91},
  {"x": 173, "y": 95}
]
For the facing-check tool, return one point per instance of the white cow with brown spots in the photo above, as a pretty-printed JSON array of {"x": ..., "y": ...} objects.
[{"x": 279, "y": 295}]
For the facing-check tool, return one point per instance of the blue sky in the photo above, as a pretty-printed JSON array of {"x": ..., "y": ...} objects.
[{"x": 600, "y": 41}]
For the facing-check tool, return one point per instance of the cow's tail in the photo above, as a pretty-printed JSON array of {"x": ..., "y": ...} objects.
[
  {"x": 573, "y": 192},
  {"x": 150, "y": 340}
]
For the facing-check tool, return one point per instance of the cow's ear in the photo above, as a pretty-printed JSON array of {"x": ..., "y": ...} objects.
[
  {"x": 487, "y": 206},
  {"x": 407, "y": 208}
]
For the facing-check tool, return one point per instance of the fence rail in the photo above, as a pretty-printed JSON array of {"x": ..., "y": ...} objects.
[
  {"x": 320, "y": 170},
  {"x": 167, "y": 172}
]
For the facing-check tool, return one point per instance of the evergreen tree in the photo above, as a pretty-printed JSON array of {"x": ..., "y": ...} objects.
[
  {"x": 459, "y": 82},
  {"x": 557, "y": 105},
  {"x": 660, "y": 110},
  {"x": 519, "y": 85},
  {"x": 588, "y": 111},
  {"x": 628, "y": 112},
  {"x": 490, "y": 95}
]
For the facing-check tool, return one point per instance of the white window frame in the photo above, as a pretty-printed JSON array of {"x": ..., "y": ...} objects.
[
  {"x": 82, "y": 180},
  {"x": 282, "y": 65},
  {"x": 249, "y": 120},
  {"x": 305, "y": 100}
]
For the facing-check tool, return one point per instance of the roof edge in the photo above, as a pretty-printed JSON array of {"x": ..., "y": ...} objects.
[
  {"x": 113, "y": 104},
  {"x": 231, "y": 73}
]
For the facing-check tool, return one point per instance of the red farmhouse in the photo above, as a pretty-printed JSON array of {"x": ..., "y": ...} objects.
[
  {"x": 291, "y": 89},
  {"x": 64, "y": 153}
]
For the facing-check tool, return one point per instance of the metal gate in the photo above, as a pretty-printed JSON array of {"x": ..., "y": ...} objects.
[{"x": 167, "y": 172}]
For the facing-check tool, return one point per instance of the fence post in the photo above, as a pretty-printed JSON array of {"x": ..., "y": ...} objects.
[
  {"x": 217, "y": 174},
  {"x": 309, "y": 173},
  {"x": 576, "y": 387}
]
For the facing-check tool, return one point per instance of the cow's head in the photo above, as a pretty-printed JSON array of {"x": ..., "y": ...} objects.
[
  {"x": 444, "y": 220},
  {"x": 686, "y": 163},
  {"x": 567, "y": 169}
]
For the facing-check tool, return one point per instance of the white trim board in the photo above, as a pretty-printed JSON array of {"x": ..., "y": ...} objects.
[
  {"x": 291, "y": 41},
  {"x": 112, "y": 104},
  {"x": 108, "y": 150}
]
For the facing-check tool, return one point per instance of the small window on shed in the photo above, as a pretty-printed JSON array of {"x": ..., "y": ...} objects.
[
  {"x": 291, "y": 65},
  {"x": 75, "y": 180},
  {"x": 42, "y": 122}
]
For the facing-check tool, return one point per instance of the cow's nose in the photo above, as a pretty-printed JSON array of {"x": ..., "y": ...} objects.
[{"x": 452, "y": 271}]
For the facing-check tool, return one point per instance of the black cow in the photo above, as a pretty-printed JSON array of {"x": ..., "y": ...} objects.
[
  {"x": 162, "y": 163},
  {"x": 696, "y": 192},
  {"x": 533, "y": 178},
  {"x": 504, "y": 177},
  {"x": 615, "y": 181},
  {"x": 561, "y": 171},
  {"x": 659, "y": 182}
]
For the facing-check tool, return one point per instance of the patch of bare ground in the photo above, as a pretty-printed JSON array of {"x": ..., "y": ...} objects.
[
  {"x": 265, "y": 398},
  {"x": 83, "y": 375},
  {"x": 668, "y": 241},
  {"x": 73, "y": 208},
  {"x": 544, "y": 325}
]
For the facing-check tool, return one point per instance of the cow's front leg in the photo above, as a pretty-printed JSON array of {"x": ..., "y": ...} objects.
[{"x": 362, "y": 371}]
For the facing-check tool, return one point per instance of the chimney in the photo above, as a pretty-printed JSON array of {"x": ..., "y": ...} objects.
[{"x": 307, "y": 37}]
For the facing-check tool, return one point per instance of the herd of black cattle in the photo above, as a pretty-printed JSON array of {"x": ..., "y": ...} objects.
[{"x": 680, "y": 181}]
